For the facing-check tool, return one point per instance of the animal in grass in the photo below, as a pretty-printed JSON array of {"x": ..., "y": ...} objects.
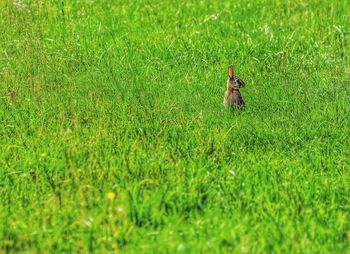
[{"x": 233, "y": 98}]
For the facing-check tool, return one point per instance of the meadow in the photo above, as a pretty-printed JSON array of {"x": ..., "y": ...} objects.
[{"x": 114, "y": 139}]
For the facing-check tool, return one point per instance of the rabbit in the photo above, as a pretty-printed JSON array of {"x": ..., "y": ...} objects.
[{"x": 233, "y": 98}]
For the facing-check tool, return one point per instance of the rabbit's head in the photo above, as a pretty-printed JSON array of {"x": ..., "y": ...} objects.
[{"x": 232, "y": 81}]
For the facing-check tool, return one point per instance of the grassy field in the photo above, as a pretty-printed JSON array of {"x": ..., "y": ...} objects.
[{"x": 113, "y": 137}]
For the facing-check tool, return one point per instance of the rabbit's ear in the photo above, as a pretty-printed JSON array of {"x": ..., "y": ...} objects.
[{"x": 230, "y": 72}]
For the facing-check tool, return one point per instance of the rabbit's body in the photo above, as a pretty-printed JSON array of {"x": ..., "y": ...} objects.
[{"x": 233, "y": 98}]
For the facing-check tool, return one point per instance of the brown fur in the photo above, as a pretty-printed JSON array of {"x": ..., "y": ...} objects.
[{"x": 233, "y": 98}]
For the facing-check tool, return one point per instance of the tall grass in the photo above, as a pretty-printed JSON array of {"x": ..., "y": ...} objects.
[{"x": 114, "y": 138}]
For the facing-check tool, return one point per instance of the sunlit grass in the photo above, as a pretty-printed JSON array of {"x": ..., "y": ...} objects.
[{"x": 113, "y": 135}]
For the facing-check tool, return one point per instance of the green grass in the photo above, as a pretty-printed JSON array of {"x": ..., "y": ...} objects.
[{"x": 126, "y": 97}]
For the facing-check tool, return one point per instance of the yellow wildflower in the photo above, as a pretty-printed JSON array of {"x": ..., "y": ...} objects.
[
  {"x": 114, "y": 246},
  {"x": 110, "y": 196}
]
